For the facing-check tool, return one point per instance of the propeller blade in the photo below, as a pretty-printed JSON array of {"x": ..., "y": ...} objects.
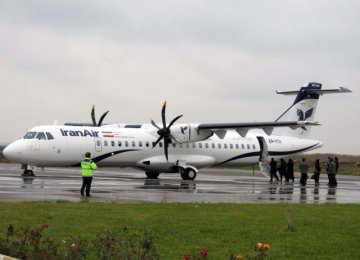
[
  {"x": 163, "y": 115},
  {"x": 153, "y": 123},
  {"x": 165, "y": 133},
  {"x": 93, "y": 115},
  {"x": 166, "y": 150},
  {"x": 174, "y": 120},
  {"x": 102, "y": 118},
  {"x": 157, "y": 141}
]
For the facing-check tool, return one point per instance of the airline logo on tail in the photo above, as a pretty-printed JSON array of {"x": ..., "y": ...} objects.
[{"x": 303, "y": 116}]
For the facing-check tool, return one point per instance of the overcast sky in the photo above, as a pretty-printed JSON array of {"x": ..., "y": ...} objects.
[{"x": 213, "y": 61}]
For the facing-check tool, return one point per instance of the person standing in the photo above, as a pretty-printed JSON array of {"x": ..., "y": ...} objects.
[
  {"x": 332, "y": 173},
  {"x": 337, "y": 168},
  {"x": 328, "y": 169},
  {"x": 282, "y": 170},
  {"x": 290, "y": 170},
  {"x": 317, "y": 172},
  {"x": 273, "y": 170},
  {"x": 87, "y": 172},
  {"x": 304, "y": 167}
]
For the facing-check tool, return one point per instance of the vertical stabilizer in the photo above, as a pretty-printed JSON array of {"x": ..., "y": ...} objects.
[{"x": 303, "y": 109}]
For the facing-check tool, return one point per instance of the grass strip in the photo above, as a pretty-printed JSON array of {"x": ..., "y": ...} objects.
[{"x": 294, "y": 231}]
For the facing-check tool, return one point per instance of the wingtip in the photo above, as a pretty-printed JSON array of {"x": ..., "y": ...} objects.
[{"x": 343, "y": 89}]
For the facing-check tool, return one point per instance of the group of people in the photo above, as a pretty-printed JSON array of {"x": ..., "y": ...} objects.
[{"x": 287, "y": 170}]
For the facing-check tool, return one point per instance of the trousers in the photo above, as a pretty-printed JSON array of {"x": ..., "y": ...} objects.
[{"x": 86, "y": 185}]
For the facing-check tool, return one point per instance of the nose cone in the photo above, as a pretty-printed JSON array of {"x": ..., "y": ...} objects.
[
  {"x": 8, "y": 152},
  {"x": 12, "y": 152}
]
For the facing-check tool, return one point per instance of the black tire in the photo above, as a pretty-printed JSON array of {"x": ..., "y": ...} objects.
[
  {"x": 189, "y": 174},
  {"x": 184, "y": 176},
  {"x": 152, "y": 175},
  {"x": 28, "y": 173}
]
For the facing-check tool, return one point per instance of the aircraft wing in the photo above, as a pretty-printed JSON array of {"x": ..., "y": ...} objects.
[{"x": 242, "y": 128}]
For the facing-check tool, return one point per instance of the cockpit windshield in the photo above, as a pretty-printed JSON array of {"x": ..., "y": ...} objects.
[
  {"x": 39, "y": 135},
  {"x": 30, "y": 135},
  {"x": 49, "y": 136}
]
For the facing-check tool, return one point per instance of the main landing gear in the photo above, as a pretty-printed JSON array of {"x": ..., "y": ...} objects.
[{"x": 188, "y": 174}]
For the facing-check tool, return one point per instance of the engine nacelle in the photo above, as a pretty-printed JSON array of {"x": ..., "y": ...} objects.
[{"x": 184, "y": 133}]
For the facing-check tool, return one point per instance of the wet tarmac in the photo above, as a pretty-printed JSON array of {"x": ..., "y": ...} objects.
[{"x": 210, "y": 186}]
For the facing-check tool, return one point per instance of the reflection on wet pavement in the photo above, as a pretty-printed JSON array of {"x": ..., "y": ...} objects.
[{"x": 212, "y": 186}]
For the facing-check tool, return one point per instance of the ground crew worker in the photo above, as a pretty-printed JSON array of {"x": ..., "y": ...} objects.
[{"x": 87, "y": 172}]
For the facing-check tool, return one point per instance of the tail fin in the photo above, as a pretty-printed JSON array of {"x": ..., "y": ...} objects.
[{"x": 303, "y": 108}]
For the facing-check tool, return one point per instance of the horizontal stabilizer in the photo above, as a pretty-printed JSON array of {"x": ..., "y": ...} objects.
[{"x": 316, "y": 91}]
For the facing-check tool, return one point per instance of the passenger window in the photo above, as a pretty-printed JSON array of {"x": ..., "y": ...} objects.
[
  {"x": 112, "y": 143},
  {"x": 200, "y": 145},
  {"x": 225, "y": 146},
  {"x": 219, "y": 145},
  {"x": 248, "y": 146},
  {"x": 236, "y": 146},
  {"x": 41, "y": 136},
  {"x": 147, "y": 144},
  {"x": 160, "y": 144},
  {"x": 140, "y": 144},
  {"x": 181, "y": 145},
  {"x": 133, "y": 143},
  {"x": 105, "y": 143},
  {"x": 49, "y": 136},
  {"x": 187, "y": 145},
  {"x": 242, "y": 146},
  {"x": 206, "y": 145},
  {"x": 30, "y": 135},
  {"x": 254, "y": 146},
  {"x": 119, "y": 143},
  {"x": 194, "y": 145},
  {"x": 126, "y": 143},
  {"x": 231, "y": 146},
  {"x": 212, "y": 145},
  {"x": 174, "y": 145}
]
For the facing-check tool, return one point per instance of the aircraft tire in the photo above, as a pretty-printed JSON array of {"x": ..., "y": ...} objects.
[
  {"x": 184, "y": 176},
  {"x": 28, "y": 173},
  {"x": 188, "y": 174},
  {"x": 152, "y": 175}
]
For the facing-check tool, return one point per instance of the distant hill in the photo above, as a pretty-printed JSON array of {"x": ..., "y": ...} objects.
[{"x": 323, "y": 157}]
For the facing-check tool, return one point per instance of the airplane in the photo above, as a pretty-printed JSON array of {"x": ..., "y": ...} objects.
[{"x": 174, "y": 148}]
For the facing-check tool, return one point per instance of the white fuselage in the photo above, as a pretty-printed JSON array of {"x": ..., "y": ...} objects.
[{"x": 133, "y": 147}]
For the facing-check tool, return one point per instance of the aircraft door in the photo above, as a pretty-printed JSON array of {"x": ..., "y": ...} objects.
[
  {"x": 98, "y": 144},
  {"x": 264, "y": 152}
]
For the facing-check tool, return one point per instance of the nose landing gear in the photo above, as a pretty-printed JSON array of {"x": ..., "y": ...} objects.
[{"x": 28, "y": 170}]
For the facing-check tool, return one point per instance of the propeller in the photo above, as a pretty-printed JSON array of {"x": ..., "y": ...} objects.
[
  {"x": 101, "y": 118},
  {"x": 164, "y": 132}
]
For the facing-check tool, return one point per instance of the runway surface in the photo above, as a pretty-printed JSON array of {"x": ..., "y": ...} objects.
[{"x": 210, "y": 186}]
